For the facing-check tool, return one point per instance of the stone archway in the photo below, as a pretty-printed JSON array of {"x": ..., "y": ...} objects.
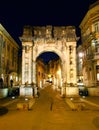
[
  {"x": 49, "y": 70},
  {"x": 61, "y": 40}
]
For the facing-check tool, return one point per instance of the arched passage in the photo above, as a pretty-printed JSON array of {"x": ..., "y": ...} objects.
[
  {"x": 47, "y": 56},
  {"x": 62, "y": 55},
  {"x": 60, "y": 40},
  {"x": 49, "y": 70}
]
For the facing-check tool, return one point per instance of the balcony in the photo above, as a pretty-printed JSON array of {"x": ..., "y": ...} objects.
[
  {"x": 89, "y": 37},
  {"x": 96, "y": 56}
]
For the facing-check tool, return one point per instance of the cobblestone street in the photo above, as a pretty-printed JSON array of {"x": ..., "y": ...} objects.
[{"x": 50, "y": 112}]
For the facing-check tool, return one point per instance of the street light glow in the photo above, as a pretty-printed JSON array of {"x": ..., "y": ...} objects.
[{"x": 80, "y": 54}]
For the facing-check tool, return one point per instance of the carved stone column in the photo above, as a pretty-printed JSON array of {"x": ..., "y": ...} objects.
[
  {"x": 34, "y": 72},
  {"x": 74, "y": 66},
  {"x": 34, "y": 78},
  {"x": 23, "y": 65},
  {"x": 68, "y": 65},
  {"x": 29, "y": 77}
]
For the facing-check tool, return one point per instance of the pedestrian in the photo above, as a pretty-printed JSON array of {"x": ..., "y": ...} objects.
[
  {"x": 1, "y": 83},
  {"x": 11, "y": 82},
  {"x": 38, "y": 92},
  {"x": 32, "y": 85}
]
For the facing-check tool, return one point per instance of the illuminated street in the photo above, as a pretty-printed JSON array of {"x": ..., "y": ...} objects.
[{"x": 50, "y": 112}]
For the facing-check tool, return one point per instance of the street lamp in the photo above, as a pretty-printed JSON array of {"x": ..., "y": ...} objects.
[{"x": 80, "y": 54}]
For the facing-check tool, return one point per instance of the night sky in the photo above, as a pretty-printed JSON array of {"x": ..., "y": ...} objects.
[
  {"x": 15, "y": 14},
  {"x": 47, "y": 56}
]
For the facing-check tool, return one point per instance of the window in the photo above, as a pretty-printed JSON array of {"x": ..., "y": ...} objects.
[
  {"x": 97, "y": 49},
  {"x": 96, "y": 27},
  {"x": 97, "y": 76},
  {"x": 97, "y": 72}
]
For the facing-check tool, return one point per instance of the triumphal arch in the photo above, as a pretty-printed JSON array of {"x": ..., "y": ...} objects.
[{"x": 61, "y": 40}]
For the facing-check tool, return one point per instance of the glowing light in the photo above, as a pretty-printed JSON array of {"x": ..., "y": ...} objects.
[
  {"x": 10, "y": 77},
  {"x": 80, "y": 54},
  {"x": 58, "y": 72},
  {"x": 97, "y": 76},
  {"x": 83, "y": 97},
  {"x": 71, "y": 99},
  {"x": 26, "y": 99},
  {"x": 16, "y": 78},
  {"x": 93, "y": 42},
  {"x": 49, "y": 75},
  {"x": 13, "y": 97}
]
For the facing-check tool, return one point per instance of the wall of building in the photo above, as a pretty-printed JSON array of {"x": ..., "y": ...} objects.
[
  {"x": 8, "y": 58},
  {"x": 41, "y": 71},
  {"x": 90, "y": 45},
  {"x": 55, "y": 73}
]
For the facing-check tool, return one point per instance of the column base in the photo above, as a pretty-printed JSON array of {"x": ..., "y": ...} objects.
[{"x": 72, "y": 92}]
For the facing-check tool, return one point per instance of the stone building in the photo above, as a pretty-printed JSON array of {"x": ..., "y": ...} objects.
[
  {"x": 90, "y": 42},
  {"x": 58, "y": 39},
  {"x": 41, "y": 71},
  {"x": 90, "y": 45},
  {"x": 79, "y": 65},
  {"x": 8, "y": 58},
  {"x": 55, "y": 73}
]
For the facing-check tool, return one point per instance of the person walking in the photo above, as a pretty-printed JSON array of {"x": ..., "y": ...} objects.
[
  {"x": 11, "y": 82},
  {"x": 1, "y": 83}
]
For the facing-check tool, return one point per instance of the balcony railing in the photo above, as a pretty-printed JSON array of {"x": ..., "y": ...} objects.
[
  {"x": 89, "y": 36},
  {"x": 96, "y": 55}
]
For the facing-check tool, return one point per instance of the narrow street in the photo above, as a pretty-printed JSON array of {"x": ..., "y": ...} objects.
[{"x": 50, "y": 112}]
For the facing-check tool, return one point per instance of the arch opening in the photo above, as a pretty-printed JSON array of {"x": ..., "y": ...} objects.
[
  {"x": 48, "y": 56},
  {"x": 49, "y": 70}
]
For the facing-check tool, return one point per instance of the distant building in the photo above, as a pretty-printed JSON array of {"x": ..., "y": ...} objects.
[
  {"x": 55, "y": 73},
  {"x": 8, "y": 58},
  {"x": 80, "y": 65},
  {"x": 90, "y": 45},
  {"x": 41, "y": 71}
]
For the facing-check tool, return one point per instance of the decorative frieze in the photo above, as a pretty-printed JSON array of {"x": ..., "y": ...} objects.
[{"x": 32, "y": 33}]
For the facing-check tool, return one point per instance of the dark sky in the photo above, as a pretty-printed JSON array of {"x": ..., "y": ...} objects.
[
  {"x": 15, "y": 14},
  {"x": 47, "y": 56}
]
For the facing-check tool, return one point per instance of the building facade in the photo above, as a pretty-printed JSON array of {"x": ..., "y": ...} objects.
[
  {"x": 55, "y": 73},
  {"x": 90, "y": 46},
  {"x": 40, "y": 71},
  {"x": 60, "y": 40},
  {"x": 8, "y": 58},
  {"x": 80, "y": 65}
]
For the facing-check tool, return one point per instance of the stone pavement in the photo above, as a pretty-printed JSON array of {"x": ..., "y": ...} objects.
[
  {"x": 82, "y": 103},
  {"x": 92, "y": 101},
  {"x": 16, "y": 103},
  {"x": 48, "y": 116}
]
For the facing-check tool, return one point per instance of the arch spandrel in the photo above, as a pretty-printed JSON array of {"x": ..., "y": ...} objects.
[{"x": 62, "y": 54}]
